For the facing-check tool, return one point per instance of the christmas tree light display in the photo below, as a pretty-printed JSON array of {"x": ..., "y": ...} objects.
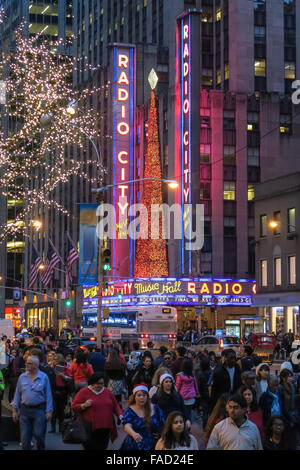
[
  {"x": 34, "y": 159},
  {"x": 151, "y": 254}
]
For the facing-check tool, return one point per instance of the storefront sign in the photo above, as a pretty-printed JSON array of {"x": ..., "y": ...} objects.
[{"x": 174, "y": 292}]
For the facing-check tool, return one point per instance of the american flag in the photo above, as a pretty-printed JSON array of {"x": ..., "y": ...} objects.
[
  {"x": 72, "y": 258},
  {"x": 36, "y": 262},
  {"x": 51, "y": 263}
]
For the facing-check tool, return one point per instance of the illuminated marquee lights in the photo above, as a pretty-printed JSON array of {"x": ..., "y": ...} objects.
[{"x": 123, "y": 145}]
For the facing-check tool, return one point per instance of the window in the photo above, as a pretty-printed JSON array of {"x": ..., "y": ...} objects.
[
  {"x": 205, "y": 191},
  {"x": 229, "y": 155},
  {"x": 264, "y": 273},
  {"x": 253, "y": 122},
  {"x": 285, "y": 124},
  {"x": 263, "y": 225},
  {"x": 260, "y": 34},
  {"x": 251, "y": 192},
  {"x": 260, "y": 68},
  {"x": 259, "y": 4},
  {"x": 253, "y": 156},
  {"x": 205, "y": 150},
  {"x": 290, "y": 70},
  {"x": 277, "y": 271},
  {"x": 292, "y": 270},
  {"x": 229, "y": 226},
  {"x": 291, "y": 220},
  {"x": 276, "y": 218},
  {"x": 229, "y": 190}
]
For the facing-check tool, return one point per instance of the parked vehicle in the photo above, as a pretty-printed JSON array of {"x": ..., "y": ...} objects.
[
  {"x": 84, "y": 343},
  {"x": 218, "y": 343},
  {"x": 263, "y": 345}
]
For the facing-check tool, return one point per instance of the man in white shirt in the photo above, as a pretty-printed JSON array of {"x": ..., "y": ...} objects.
[{"x": 235, "y": 432}]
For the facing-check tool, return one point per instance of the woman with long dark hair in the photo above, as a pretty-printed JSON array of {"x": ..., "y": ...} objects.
[
  {"x": 142, "y": 421},
  {"x": 175, "y": 435},
  {"x": 278, "y": 435},
  {"x": 115, "y": 374},
  {"x": 254, "y": 413},
  {"x": 168, "y": 398},
  {"x": 187, "y": 386},
  {"x": 218, "y": 414}
]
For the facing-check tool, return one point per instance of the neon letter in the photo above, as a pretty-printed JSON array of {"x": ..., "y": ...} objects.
[
  {"x": 186, "y": 106},
  {"x": 186, "y": 194},
  {"x": 204, "y": 289},
  {"x": 123, "y": 128},
  {"x": 186, "y": 31},
  {"x": 186, "y": 138},
  {"x": 123, "y": 208},
  {"x": 120, "y": 158},
  {"x": 185, "y": 69},
  {"x": 123, "y": 79},
  {"x": 186, "y": 52},
  {"x": 237, "y": 289},
  {"x": 191, "y": 287},
  {"x": 123, "y": 188},
  {"x": 123, "y": 94},
  {"x": 217, "y": 288},
  {"x": 123, "y": 61}
]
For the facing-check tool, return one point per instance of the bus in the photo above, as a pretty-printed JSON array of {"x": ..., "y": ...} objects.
[{"x": 143, "y": 324}]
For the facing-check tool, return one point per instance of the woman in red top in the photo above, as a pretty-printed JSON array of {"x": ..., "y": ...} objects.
[
  {"x": 97, "y": 405},
  {"x": 81, "y": 370},
  {"x": 253, "y": 412}
]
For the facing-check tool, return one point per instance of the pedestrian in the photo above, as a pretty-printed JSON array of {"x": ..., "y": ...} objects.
[
  {"x": 186, "y": 385},
  {"x": 159, "y": 360},
  {"x": 287, "y": 397},
  {"x": 202, "y": 376},
  {"x": 261, "y": 382},
  {"x": 96, "y": 405},
  {"x": 145, "y": 372},
  {"x": 254, "y": 413},
  {"x": 226, "y": 377},
  {"x": 33, "y": 404},
  {"x": 277, "y": 435},
  {"x": 133, "y": 364},
  {"x": 156, "y": 379},
  {"x": 62, "y": 379},
  {"x": 3, "y": 358},
  {"x": 175, "y": 435},
  {"x": 236, "y": 432},
  {"x": 168, "y": 399},
  {"x": 217, "y": 415},
  {"x": 115, "y": 375},
  {"x": 142, "y": 421},
  {"x": 81, "y": 371},
  {"x": 97, "y": 361},
  {"x": 269, "y": 401},
  {"x": 168, "y": 360},
  {"x": 178, "y": 363},
  {"x": 69, "y": 359},
  {"x": 17, "y": 364}
]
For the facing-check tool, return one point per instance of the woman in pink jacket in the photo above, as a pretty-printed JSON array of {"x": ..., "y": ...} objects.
[{"x": 186, "y": 385}]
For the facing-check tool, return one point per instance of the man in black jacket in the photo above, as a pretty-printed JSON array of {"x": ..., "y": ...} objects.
[{"x": 226, "y": 378}]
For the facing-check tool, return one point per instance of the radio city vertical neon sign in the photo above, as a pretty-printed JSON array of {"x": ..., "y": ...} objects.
[
  {"x": 186, "y": 134},
  {"x": 123, "y": 145}
]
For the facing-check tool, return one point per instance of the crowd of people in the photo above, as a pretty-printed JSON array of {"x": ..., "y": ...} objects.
[{"x": 238, "y": 403}]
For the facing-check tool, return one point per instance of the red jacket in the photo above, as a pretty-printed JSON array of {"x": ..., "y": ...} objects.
[
  {"x": 101, "y": 413},
  {"x": 81, "y": 372},
  {"x": 256, "y": 417}
]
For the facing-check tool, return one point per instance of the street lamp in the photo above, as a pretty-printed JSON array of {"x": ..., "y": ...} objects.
[
  {"x": 172, "y": 184},
  {"x": 273, "y": 224}
]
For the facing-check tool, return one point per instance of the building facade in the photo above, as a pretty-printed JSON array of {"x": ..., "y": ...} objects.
[{"x": 277, "y": 251}]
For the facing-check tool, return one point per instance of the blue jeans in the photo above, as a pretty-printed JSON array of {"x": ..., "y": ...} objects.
[{"x": 33, "y": 424}]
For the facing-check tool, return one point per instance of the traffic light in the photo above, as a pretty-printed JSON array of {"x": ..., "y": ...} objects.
[
  {"x": 68, "y": 303},
  {"x": 105, "y": 259}
]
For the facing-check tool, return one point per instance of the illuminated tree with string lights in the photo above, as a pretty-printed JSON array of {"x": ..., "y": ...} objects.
[
  {"x": 151, "y": 254},
  {"x": 33, "y": 156}
]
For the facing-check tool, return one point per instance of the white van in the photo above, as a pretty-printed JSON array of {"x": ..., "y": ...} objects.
[{"x": 7, "y": 328}]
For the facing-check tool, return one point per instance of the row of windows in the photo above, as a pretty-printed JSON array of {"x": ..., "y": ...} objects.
[{"x": 277, "y": 271}]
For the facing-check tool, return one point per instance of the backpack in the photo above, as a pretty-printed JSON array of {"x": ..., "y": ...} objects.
[{"x": 247, "y": 363}]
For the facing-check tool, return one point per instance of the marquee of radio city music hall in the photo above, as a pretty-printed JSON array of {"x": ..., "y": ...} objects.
[{"x": 171, "y": 291}]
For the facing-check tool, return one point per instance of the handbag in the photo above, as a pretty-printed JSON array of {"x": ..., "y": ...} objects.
[{"x": 75, "y": 431}]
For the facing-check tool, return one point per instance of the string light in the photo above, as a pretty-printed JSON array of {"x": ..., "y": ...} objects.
[
  {"x": 151, "y": 254},
  {"x": 34, "y": 160}
]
